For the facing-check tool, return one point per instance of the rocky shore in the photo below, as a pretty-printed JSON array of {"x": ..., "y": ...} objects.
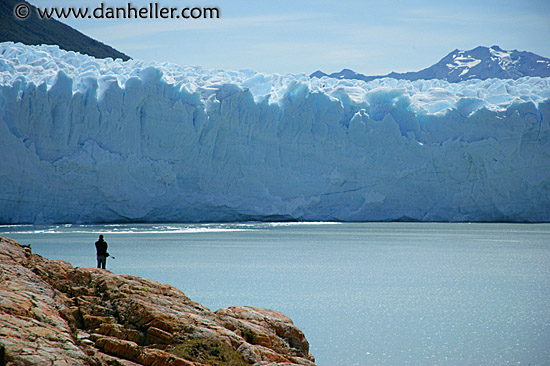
[{"x": 54, "y": 314}]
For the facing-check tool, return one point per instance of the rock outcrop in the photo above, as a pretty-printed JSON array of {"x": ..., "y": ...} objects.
[{"x": 54, "y": 314}]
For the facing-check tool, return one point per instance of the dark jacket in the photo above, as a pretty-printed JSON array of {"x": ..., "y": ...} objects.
[{"x": 101, "y": 247}]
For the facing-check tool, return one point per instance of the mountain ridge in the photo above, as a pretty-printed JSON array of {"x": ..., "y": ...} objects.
[
  {"x": 36, "y": 31},
  {"x": 460, "y": 65}
]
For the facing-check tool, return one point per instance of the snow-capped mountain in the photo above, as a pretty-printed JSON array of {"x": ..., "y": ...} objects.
[{"x": 480, "y": 63}]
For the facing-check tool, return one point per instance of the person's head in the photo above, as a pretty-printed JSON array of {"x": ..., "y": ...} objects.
[{"x": 101, "y": 237}]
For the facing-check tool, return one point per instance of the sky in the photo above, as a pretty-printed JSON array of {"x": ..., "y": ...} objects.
[{"x": 373, "y": 37}]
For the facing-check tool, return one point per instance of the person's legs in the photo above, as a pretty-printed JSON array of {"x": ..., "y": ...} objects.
[
  {"x": 98, "y": 261},
  {"x": 104, "y": 262},
  {"x": 101, "y": 261}
]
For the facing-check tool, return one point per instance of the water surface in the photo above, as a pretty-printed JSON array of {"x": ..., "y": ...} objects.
[{"x": 364, "y": 294}]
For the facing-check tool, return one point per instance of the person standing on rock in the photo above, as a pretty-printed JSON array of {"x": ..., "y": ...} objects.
[{"x": 101, "y": 248}]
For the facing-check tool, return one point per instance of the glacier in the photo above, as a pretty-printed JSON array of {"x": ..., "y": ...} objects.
[{"x": 86, "y": 140}]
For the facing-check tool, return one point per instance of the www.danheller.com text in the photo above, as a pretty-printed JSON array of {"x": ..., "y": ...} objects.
[{"x": 129, "y": 11}]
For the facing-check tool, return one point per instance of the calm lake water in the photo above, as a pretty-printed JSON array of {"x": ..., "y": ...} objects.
[{"x": 364, "y": 294}]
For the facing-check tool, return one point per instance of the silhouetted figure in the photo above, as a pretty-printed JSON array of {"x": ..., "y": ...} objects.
[{"x": 101, "y": 248}]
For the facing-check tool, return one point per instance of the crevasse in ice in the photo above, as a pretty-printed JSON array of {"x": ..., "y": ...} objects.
[{"x": 99, "y": 140}]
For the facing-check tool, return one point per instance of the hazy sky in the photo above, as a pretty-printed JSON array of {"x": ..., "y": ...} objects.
[{"x": 301, "y": 36}]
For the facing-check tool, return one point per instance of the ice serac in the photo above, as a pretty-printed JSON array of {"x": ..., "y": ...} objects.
[{"x": 90, "y": 140}]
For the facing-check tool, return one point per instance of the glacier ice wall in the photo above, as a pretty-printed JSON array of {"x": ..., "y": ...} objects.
[{"x": 89, "y": 140}]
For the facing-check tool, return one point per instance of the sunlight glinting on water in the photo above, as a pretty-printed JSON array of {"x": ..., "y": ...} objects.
[
  {"x": 364, "y": 294},
  {"x": 148, "y": 228}
]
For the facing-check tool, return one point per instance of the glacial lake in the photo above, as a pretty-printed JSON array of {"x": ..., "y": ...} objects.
[{"x": 363, "y": 293}]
